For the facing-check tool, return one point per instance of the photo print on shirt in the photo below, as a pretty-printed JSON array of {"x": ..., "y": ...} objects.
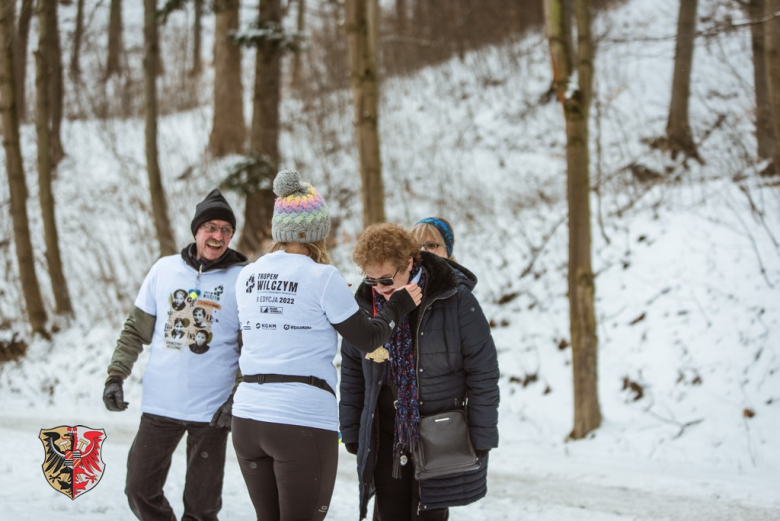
[{"x": 191, "y": 325}]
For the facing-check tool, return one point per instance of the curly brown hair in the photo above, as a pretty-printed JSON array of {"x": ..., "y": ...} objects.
[{"x": 385, "y": 242}]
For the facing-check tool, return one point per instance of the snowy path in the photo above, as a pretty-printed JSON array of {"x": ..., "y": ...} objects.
[
  {"x": 561, "y": 499},
  {"x": 541, "y": 488}
]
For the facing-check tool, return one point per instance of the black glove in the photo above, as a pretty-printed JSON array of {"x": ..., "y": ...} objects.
[
  {"x": 481, "y": 454},
  {"x": 224, "y": 415},
  {"x": 352, "y": 448},
  {"x": 113, "y": 395}
]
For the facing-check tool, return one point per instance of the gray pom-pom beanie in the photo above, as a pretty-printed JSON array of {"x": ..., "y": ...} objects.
[{"x": 300, "y": 214}]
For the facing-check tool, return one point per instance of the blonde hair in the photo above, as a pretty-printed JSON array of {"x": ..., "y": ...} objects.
[
  {"x": 385, "y": 242},
  {"x": 318, "y": 250},
  {"x": 423, "y": 230}
]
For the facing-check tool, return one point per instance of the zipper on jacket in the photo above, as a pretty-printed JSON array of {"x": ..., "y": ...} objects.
[
  {"x": 417, "y": 339},
  {"x": 417, "y": 368}
]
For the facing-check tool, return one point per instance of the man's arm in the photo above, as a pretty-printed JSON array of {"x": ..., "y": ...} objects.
[{"x": 138, "y": 331}]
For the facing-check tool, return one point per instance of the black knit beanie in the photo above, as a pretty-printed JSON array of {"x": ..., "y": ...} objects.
[{"x": 213, "y": 207}]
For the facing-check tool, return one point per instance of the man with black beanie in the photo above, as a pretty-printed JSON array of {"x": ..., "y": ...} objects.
[{"x": 185, "y": 391}]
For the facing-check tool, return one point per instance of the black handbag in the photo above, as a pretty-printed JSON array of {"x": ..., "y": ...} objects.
[{"x": 444, "y": 447}]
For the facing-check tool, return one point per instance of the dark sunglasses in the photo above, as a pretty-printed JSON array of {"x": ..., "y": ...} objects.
[{"x": 387, "y": 281}]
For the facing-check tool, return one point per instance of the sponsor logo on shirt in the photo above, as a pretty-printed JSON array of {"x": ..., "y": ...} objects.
[
  {"x": 288, "y": 326},
  {"x": 272, "y": 310},
  {"x": 268, "y": 327}
]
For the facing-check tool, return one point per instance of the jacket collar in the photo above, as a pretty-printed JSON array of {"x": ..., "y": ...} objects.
[
  {"x": 443, "y": 275},
  {"x": 229, "y": 258}
]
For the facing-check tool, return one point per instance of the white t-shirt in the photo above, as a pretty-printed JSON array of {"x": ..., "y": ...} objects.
[
  {"x": 286, "y": 305},
  {"x": 194, "y": 352}
]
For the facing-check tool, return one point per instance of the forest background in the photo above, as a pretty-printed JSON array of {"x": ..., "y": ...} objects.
[{"x": 468, "y": 125}]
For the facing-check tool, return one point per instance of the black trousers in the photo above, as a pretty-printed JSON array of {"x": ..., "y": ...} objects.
[
  {"x": 150, "y": 459},
  {"x": 398, "y": 499},
  {"x": 290, "y": 471}
]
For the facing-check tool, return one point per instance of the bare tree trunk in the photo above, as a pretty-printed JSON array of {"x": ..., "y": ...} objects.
[
  {"x": 45, "y": 167},
  {"x": 772, "y": 49},
  {"x": 678, "y": 130},
  {"x": 400, "y": 17},
  {"x": 20, "y": 56},
  {"x": 197, "y": 62},
  {"x": 560, "y": 45},
  {"x": 75, "y": 68},
  {"x": 17, "y": 185},
  {"x": 373, "y": 35},
  {"x": 365, "y": 97},
  {"x": 159, "y": 204},
  {"x": 264, "y": 137},
  {"x": 113, "y": 63},
  {"x": 764, "y": 131},
  {"x": 422, "y": 19},
  {"x": 576, "y": 107},
  {"x": 56, "y": 92},
  {"x": 228, "y": 132},
  {"x": 296, "y": 72},
  {"x": 568, "y": 21}
]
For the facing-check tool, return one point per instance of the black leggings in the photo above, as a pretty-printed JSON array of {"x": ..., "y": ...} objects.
[{"x": 290, "y": 471}]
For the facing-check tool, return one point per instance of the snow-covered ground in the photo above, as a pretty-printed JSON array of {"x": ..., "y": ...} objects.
[{"x": 688, "y": 275}]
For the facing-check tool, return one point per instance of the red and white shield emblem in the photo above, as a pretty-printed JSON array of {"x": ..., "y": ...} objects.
[{"x": 72, "y": 463}]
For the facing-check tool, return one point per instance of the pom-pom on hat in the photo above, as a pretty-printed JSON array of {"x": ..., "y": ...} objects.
[
  {"x": 213, "y": 208},
  {"x": 300, "y": 214}
]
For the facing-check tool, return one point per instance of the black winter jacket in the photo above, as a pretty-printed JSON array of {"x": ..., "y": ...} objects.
[{"x": 454, "y": 357}]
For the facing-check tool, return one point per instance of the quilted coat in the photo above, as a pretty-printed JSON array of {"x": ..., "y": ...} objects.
[{"x": 455, "y": 358}]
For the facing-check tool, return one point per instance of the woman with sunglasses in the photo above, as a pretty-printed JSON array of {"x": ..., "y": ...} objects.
[
  {"x": 440, "y": 356},
  {"x": 292, "y": 305}
]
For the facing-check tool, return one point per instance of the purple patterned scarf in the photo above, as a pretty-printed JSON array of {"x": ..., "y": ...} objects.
[{"x": 401, "y": 372}]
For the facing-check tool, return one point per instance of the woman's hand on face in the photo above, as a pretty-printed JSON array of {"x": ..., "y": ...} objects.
[{"x": 415, "y": 292}]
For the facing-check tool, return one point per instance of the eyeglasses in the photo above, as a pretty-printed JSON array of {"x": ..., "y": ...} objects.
[
  {"x": 227, "y": 231},
  {"x": 430, "y": 246},
  {"x": 385, "y": 281}
]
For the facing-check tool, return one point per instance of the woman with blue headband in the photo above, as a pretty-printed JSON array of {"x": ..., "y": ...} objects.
[{"x": 435, "y": 235}]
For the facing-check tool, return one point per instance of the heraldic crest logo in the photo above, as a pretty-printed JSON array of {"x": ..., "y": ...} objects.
[{"x": 73, "y": 463}]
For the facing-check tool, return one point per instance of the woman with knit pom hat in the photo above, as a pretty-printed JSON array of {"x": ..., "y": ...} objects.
[{"x": 292, "y": 304}]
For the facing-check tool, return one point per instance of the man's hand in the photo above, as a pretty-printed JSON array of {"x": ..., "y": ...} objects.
[
  {"x": 113, "y": 395},
  {"x": 352, "y": 448},
  {"x": 224, "y": 415}
]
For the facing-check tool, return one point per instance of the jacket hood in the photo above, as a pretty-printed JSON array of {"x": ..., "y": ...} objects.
[
  {"x": 465, "y": 277},
  {"x": 229, "y": 258},
  {"x": 443, "y": 275}
]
